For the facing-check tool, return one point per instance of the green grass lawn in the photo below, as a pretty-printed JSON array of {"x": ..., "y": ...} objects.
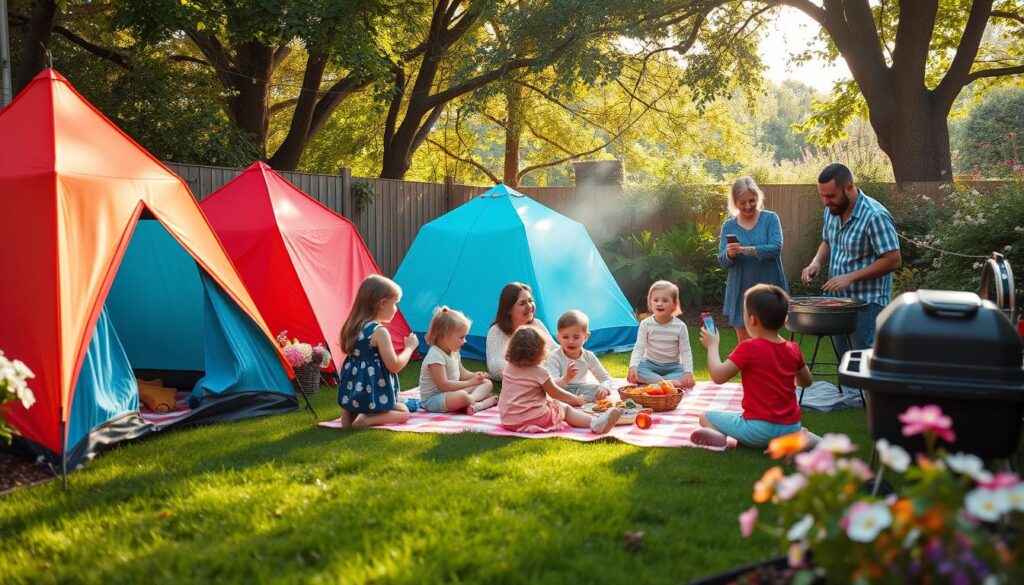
[{"x": 279, "y": 499}]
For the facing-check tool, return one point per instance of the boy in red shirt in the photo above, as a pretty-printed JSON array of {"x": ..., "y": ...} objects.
[{"x": 771, "y": 368}]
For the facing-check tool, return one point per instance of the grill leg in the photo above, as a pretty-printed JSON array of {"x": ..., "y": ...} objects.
[{"x": 839, "y": 359}]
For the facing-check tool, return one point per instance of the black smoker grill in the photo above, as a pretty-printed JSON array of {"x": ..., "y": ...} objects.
[{"x": 946, "y": 348}]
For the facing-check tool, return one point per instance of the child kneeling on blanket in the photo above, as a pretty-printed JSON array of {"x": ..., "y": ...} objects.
[
  {"x": 531, "y": 402},
  {"x": 769, "y": 364}
]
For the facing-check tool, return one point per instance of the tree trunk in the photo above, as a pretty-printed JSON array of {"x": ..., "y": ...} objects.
[
  {"x": 514, "y": 124},
  {"x": 249, "y": 108},
  {"x": 917, "y": 143},
  {"x": 36, "y": 42},
  {"x": 288, "y": 154}
]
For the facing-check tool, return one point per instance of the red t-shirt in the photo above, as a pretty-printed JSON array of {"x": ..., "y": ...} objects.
[{"x": 769, "y": 373}]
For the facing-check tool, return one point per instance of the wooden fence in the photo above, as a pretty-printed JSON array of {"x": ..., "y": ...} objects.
[{"x": 391, "y": 221}]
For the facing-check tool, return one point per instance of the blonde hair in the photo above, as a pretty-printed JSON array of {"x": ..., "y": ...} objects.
[
  {"x": 526, "y": 348},
  {"x": 573, "y": 317},
  {"x": 672, "y": 289},
  {"x": 444, "y": 322},
  {"x": 739, "y": 187},
  {"x": 372, "y": 291}
]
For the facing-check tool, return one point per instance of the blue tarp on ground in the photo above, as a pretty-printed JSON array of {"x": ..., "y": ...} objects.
[{"x": 464, "y": 258}]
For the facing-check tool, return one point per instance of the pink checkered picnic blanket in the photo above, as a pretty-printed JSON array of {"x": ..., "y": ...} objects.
[{"x": 670, "y": 429}]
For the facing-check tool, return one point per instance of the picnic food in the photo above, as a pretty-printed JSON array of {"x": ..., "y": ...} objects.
[
  {"x": 662, "y": 388},
  {"x": 604, "y": 404}
]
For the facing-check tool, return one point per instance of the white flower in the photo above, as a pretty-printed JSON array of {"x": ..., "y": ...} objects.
[
  {"x": 369, "y": 370},
  {"x": 865, "y": 522},
  {"x": 344, "y": 399},
  {"x": 355, "y": 353},
  {"x": 373, "y": 406},
  {"x": 1007, "y": 248},
  {"x": 838, "y": 444},
  {"x": 790, "y": 486},
  {"x": 349, "y": 385},
  {"x": 892, "y": 456},
  {"x": 969, "y": 465},
  {"x": 380, "y": 382},
  {"x": 988, "y": 505},
  {"x": 976, "y": 265},
  {"x": 359, "y": 386},
  {"x": 355, "y": 403},
  {"x": 799, "y": 530},
  {"x": 1016, "y": 494},
  {"x": 383, "y": 399}
]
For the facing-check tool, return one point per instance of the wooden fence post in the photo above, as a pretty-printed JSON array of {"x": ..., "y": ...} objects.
[
  {"x": 449, "y": 192},
  {"x": 346, "y": 192}
]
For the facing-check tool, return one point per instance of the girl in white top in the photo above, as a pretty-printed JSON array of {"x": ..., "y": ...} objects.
[
  {"x": 515, "y": 309},
  {"x": 445, "y": 385},
  {"x": 662, "y": 350},
  {"x": 570, "y": 363}
]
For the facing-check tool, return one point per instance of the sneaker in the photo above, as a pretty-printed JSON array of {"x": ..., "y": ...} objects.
[
  {"x": 489, "y": 402},
  {"x": 604, "y": 423}
]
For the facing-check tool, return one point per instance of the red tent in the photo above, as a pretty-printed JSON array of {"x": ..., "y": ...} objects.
[{"x": 301, "y": 262}]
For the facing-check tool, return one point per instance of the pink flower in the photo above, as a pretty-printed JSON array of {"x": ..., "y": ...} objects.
[
  {"x": 789, "y": 486},
  {"x": 918, "y": 420},
  {"x": 294, "y": 356},
  {"x": 748, "y": 520},
  {"x": 858, "y": 467},
  {"x": 999, "y": 481},
  {"x": 817, "y": 461}
]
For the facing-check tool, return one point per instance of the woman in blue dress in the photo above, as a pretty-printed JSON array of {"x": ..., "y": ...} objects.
[{"x": 750, "y": 247}]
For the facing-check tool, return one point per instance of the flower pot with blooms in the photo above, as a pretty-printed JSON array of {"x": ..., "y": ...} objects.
[
  {"x": 13, "y": 386},
  {"x": 306, "y": 360},
  {"x": 953, "y": 521}
]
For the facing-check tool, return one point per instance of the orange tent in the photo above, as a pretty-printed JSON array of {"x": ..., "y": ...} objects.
[{"x": 73, "y": 190}]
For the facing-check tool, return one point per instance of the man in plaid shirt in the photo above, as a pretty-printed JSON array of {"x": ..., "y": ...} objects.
[{"x": 859, "y": 241}]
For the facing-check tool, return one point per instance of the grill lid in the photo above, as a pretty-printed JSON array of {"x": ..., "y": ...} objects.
[{"x": 946, "y": 334}]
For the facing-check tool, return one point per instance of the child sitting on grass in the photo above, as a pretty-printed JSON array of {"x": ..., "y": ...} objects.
[
  {"x": 445, "y": 385},
  {"x": 531, "y": 402},
  {"x": 662, "y": 350},
  {"x": 368, "y": 385},
  {"x": 569, "y": 363},
  {"x": 771, "y": 368}
]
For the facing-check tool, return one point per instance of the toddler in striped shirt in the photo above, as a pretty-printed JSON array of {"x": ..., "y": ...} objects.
[{"x": 662, "y": 350}]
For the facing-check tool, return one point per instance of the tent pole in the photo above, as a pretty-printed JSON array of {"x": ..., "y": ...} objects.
[
  {"x": 316, "y": 418},
  {"x": 63, "y": 449}
]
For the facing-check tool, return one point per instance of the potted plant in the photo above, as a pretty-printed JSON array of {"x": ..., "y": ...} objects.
[
  {"x": 306, "y": 360},
  {"x": 952, "y": 520}
]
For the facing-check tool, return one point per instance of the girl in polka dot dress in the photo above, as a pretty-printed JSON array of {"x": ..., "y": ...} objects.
[{"x": 368, "y": 392}]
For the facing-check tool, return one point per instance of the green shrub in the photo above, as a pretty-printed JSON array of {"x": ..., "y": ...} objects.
[
  {"x": 686, "y": 255},
  {"x": 977, "y": 225}
]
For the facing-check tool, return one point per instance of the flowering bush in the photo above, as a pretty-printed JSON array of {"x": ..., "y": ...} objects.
[
  {"x": 300, "y": 354},
  {"x": 13, "y": 375},
  {"x": 954, "y": 522}
]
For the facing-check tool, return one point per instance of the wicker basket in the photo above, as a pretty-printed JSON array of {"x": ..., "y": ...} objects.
[
  {"x": 655, "y": 403},
  {"x": 308, "y": 377}
]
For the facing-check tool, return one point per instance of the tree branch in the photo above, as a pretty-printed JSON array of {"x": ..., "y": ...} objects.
[
  {"x": 998, "y": 72},
  {"x": 188, "y": 59},
  {"x": 1008, "y": 15},
  {"x": 485, "y": 78},
  {"x": 959, "y": 73},
  {"x": 544, "y": 138},
  {"x": 468, "y": 161},
  {"x": 283, "y": 105},
  {"x": 103, "y": 52}
]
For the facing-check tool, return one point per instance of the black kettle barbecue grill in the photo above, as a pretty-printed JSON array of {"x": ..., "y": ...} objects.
[
  {"x": 948, "y": 348},
  {"x": 823, "y": 317}
]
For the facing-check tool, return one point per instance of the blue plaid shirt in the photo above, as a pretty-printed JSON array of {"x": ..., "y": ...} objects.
[{"x": 869, "y": 233}]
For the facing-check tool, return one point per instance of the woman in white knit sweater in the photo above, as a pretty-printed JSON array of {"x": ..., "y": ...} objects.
[{"x": 515, "y": 309}]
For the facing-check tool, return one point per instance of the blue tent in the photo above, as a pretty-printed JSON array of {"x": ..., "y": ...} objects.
[{"x": 464, "y": 258}]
